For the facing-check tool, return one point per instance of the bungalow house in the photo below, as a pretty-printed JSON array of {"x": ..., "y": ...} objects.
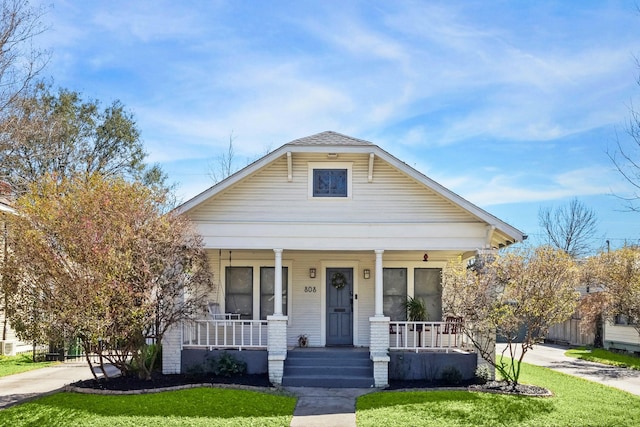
[{"x": 317, "y": 245}]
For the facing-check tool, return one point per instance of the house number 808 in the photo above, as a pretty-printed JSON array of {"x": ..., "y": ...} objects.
[{"x": 310, "y": 289}]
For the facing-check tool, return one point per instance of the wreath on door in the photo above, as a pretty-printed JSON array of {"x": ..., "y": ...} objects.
[{"x": 338, "y": 280}]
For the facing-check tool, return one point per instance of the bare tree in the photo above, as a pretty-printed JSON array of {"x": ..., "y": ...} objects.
[
  {"x": 20, "y": 62},
  {"x": 569, "y": 227},
  {"x": 225, "y": 164},
  {"x": 626, "y": 155}
]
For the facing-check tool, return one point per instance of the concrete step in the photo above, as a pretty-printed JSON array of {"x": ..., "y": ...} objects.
[
  {"x": 358, "y": 371},
  {"x": 324, "y": 361},
  {"x": 327, "y": 382},
  {"x": 329, "y": 353},
  {"x": 328, "y": 368}
]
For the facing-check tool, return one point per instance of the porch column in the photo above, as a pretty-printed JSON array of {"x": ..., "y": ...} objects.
[
  {"x": 172, "y": 350},
  {"x": 379, "y": 335},
  {"x": 277, "y": 327},
  {"x": 379, "y": 312},
  {"x": 277, "y": 287}
]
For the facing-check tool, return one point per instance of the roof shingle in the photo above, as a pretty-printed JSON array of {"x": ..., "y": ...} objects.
[{"x": 329, "y": 138}]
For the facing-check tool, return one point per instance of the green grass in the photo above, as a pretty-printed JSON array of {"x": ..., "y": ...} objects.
[
  {"x": 10, "y": 365},
  {"x": 604, "y": 356},
  {"x": 190, "y": 407},
  {"x": 576, "y": 402}
]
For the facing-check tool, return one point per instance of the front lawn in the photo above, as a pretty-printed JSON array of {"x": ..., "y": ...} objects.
[
  {"x": 576, "y": 402},
  {"x": 10, "y": 365},
  {"x": 601, "y": 355},
  {"x": 192, "y": 407}
]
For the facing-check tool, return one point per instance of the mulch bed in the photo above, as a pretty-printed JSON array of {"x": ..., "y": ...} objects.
[
  {"x": 501, "y": 387},
  {"x": 160, "y": 381},
  {"x": 504, "y": 388}
]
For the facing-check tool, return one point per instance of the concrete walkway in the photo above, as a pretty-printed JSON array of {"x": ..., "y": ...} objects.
[
  {"x": 18, "y": 388},
  {"x": 552, "y": 357},
  {"x": 326, "y": 407}
]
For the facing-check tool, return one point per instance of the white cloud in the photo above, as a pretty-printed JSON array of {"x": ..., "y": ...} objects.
[{"x": 526, "y": 187}]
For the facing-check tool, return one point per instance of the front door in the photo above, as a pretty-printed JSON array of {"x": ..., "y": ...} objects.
[{"x": 339, "y": 306}]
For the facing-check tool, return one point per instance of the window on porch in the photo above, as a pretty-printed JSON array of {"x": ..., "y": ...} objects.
[
  {"x": 394, "y": 291},
  {"x": 427, "y": 283},
  {"x": 239, "y": 291},
  {"x": 267, "y": 284}
]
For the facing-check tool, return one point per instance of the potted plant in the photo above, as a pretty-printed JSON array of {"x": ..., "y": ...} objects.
[
  {"x": 303, "y": 341},
  {"x": 416, "y": 309}
]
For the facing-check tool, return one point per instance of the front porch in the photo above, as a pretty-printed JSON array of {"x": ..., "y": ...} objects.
[
  {"x": 265, "y": 301},
  {"x": 400, "y": 350}
]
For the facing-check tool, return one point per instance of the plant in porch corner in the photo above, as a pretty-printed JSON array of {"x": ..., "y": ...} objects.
[{"x": 416, "y": 309}]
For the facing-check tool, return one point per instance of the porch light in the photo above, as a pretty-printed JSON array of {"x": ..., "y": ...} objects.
[
  {"x": 425, "y": 258},
  {"x": 366, "y": 273},
  {"x": 312, "y": 273}
]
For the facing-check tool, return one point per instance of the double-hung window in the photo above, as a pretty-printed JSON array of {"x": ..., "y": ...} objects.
[
  {"x": 394, "y": 290},
  {"x": 267, "y": 286},
  {"x": 239, "y": 291},
  {"x": 427, "y": 286}
]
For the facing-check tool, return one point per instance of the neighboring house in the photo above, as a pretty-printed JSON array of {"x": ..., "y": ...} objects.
[
  {"x": 8, "y": 340},
  {"x": 621, "y": 334},
  {"x": 319, "y": 243},
  {"x": 572, "y": 331}
]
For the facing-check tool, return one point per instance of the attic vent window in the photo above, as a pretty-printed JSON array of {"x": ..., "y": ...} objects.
[{"x": 330, "y": 183}]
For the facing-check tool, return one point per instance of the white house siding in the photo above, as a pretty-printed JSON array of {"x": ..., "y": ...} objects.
[
  {"x": 622, "y": 337},
  {"x": 306, "y": 301},
  {"x": 265, "y": 211},
  {"x": 267, "y": 196}
]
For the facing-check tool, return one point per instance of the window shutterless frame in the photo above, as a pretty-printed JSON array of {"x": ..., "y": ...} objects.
[{"x": 330, "y": 180}]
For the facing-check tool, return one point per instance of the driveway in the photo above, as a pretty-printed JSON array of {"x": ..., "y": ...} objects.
[{"x": 552, "y": 357}]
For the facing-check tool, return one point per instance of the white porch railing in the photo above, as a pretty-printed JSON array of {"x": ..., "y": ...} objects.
[
  {"x": 418, "y": 336},
  {"x": 229, "y": 334}
]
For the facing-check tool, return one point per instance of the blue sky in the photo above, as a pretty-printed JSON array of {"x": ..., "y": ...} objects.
[{"x": 511, "y": 104}]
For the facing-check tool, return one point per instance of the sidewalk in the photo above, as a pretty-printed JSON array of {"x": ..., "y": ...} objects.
[
  {"x": 27, "y": 385},
  {"x": 552, "y": 357}
]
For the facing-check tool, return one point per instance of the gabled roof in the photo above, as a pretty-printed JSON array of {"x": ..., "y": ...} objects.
[
  {"x": 333, "y": 142},
  {"x": 329, "y": 138}
]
